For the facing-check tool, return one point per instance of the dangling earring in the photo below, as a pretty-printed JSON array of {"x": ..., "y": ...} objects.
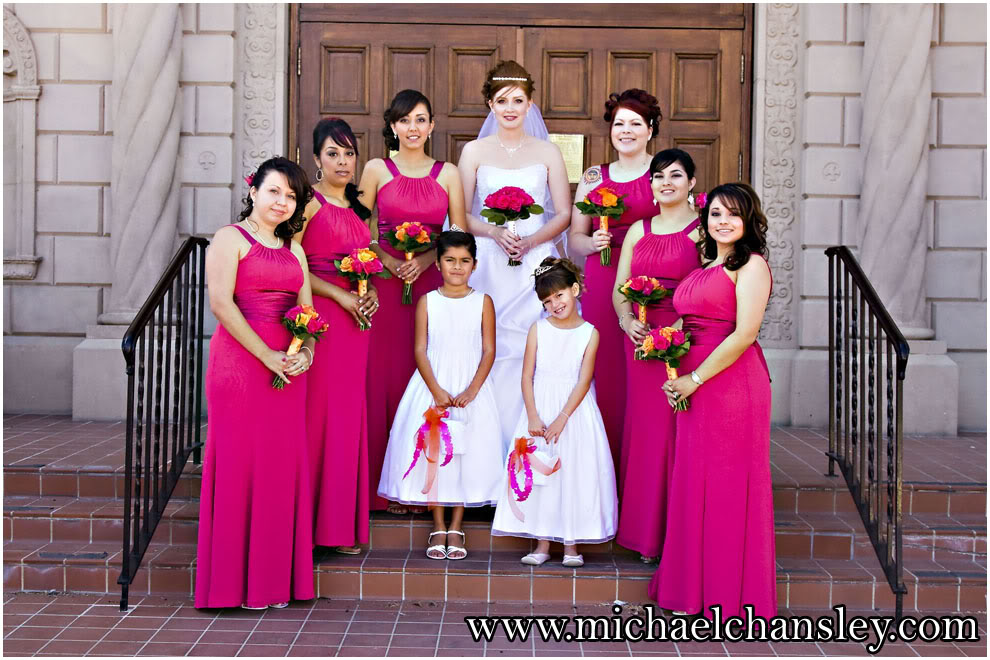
[
  {"x": 319, "y": 174},
  {"x": 691, "y": 201}
]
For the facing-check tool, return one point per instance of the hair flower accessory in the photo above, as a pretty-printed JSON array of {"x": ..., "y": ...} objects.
[
  {"x": 701, "y": 200},
  {"x": 249, "y": 179}
]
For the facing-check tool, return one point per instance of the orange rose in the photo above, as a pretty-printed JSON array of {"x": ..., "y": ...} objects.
[
  {"x": 346, "y": 265},
  {"x": 609, "y": 198}
]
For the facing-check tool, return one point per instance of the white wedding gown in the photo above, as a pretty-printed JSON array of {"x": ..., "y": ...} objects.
[{"x": 511, "y": 288}]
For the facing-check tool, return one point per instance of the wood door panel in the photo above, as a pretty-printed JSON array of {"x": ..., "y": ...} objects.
[
  {"x": 345, "y": 72},
  {"x": 628, "y": 69},
  {"x": 468, "y": 68},
  {"x": 695, "y": 86},
  {"x": 408, "y": 68}
]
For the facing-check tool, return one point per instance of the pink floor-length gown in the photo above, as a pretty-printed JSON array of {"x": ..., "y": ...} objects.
[
  {"x": 255, "y": 514},
  {"x": 720, "y": 538},
  {"x": 596, "y": 306},
  {"x": 335, "y": 408},
  {"x": 648, "y": 439},
  {"x": 391, "y": 362}
]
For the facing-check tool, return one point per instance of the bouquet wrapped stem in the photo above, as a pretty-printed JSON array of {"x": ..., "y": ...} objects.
[
  {"x": 606, "y": 254},
  {"x": 362, "y": 290},
  {"x": 407, "y": 285},
  {"x": 512, "y": 228},
  {"x": 410, "y": 238}
]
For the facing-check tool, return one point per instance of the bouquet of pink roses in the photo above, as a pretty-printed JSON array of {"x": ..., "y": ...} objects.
[
  {"x": 358, "y": 267},
  {"x": 643, "y": 291},
  {"x": 508, "y": 204}
]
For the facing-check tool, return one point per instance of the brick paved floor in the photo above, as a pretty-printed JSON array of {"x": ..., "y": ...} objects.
[{"x": 77, "y": 625}]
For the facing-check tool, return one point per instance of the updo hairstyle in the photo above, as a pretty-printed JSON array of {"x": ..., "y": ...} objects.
[
  {"x": 338, "y": 130},
  {"x": 403, "y": 103},
  {"x": 562, "y": 274},
  {"x": 451, "y": 239},
  {"x": 507, "y": 69},
  {"x": 299, "y": 183},
  {"x": 639, "y": 101},
  {"x": 743, "y": 201},
  {"x": 668, "y": 157}
]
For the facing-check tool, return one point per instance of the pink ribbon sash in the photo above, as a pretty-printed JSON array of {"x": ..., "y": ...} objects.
[
  {"x": 428, "y": 438},
  {"x": 522, "y": 460}
]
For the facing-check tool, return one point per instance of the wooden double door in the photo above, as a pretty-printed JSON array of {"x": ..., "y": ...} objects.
[{"x": 350, "y": 61}]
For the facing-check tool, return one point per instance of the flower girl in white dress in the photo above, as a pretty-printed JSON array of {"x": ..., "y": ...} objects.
[
  {"x": 455, "y": 348},
  {"x": 560, "y": 482}
]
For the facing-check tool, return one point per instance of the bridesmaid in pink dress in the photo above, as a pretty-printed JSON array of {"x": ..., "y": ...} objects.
[
  {"x": 335, "y": 408},
  {"x": 719, "y": 548},
  {"x": 664, "y": 248},
  {"x": 634, "y": 116},
  {"x": 255, "y": 544},
  {"x": 411, "y": 187}
]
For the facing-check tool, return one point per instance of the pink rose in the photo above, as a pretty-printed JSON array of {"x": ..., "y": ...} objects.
[
  {"x": 677, "y": 338},
  {"x": 315, "y": 325},
  {"x": 647, "y": 286},
  {"x": 294, "y": 312},
  {"x": 638, "y": 283},
  {"x": 659, "y": 341},
  {"x": 700, "y": 200}
]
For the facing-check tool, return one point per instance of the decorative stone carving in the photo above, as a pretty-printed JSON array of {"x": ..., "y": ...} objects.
[
  {"x": 20, "y": 99},
  {"x": 779, "y": 181},
  {"x": 262, "y": 85},
  {"x": 897, "y": 93},
  {"x": 147, "y": 112}
]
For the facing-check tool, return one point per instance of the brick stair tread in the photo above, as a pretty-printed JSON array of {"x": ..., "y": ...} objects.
[
  {"x": 497, "y": 563},
  {"x": 187, "y": 510}
]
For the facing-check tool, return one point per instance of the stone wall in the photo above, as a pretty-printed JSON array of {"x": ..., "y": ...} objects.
[
  {"x": 956, "y": 212},
  {"x": 45, "y": 318}
]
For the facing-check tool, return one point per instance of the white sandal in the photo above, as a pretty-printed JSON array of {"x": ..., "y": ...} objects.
[
  {"x": 439, "y": 547},
  {"x": 573, "y": 561},
  {"x": 535, "y": 558},
  {"x": 456, "y": 548}
]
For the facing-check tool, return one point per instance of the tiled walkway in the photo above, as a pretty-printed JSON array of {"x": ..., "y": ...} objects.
[{"x": 38, "y": 624}]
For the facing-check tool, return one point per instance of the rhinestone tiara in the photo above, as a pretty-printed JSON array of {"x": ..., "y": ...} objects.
[
  {"x": 509, "y": 78},
  {"x": 540, "y": 270}
]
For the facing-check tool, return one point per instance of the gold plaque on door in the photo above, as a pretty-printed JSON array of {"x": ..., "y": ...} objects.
[{"x": 572, "y": 149}]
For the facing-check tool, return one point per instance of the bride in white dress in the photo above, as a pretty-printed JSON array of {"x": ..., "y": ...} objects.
[{"x": 513, "y": 156}]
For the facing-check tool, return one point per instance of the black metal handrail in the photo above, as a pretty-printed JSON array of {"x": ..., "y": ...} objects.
[
  {"x": 864, "y": 346},
  {"x": 165, "y": 343}
]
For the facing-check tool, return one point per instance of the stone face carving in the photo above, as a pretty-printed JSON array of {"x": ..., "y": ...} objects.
[
  {"x": 20, "y": 99},
  {"x": 257, "y": 57},
  {"x": 147, "y": 111},
  {"x": 897, "y": 91},
  {"x": 779, "y": 186}
]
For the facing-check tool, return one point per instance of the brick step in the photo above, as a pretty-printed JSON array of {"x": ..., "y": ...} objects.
[
  {"x": 807, "y": 535},
  {"x": 825, "y": 495},
  {"x": 495, "y": 576}
]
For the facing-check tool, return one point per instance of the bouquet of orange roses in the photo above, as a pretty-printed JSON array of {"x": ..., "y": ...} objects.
[
  {"x": 603, "y": 202},
  {"x": 410, "y": 238},
  {"x": 303, "y": 321},
  {"x": 643, "y": 291},
  {"x": 669, "y": 345},
  {"x": 507, "y": 205},
  {"x": 358, "y": 267}
]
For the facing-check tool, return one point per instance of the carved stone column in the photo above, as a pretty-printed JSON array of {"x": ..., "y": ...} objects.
[
  {"x": 897, "y": 92},
  {"x": 20, "y": 100},
  {"x": 147, "y": 109}
]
